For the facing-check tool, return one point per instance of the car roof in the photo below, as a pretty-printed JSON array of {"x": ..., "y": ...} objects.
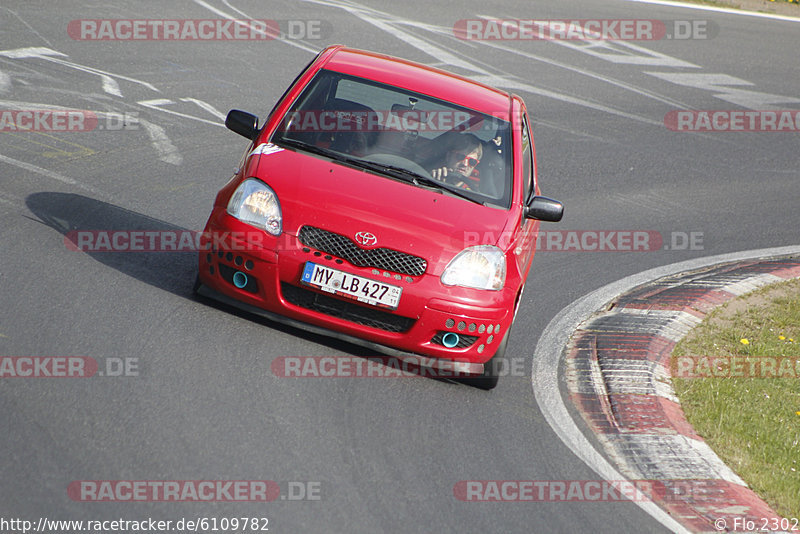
[{"x": 420, "y": 78}]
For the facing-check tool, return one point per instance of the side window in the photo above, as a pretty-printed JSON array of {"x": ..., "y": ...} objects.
[{"x": 527, "y": 159}]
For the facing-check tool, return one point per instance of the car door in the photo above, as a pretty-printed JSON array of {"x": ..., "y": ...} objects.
[{"x": 526, "y": 245}]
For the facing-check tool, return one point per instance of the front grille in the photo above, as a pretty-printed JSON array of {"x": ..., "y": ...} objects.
[
  {"x": 343, "y": 309},
  {"x": 379, "y": 258}
]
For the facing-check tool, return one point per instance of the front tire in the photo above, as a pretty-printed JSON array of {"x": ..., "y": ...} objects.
[
  {"x": 196, "y": 286},
  {"x": 491, "y": 369}
]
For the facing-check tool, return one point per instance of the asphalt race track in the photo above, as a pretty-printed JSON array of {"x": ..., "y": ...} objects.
[{"x": 198, "y": 399}]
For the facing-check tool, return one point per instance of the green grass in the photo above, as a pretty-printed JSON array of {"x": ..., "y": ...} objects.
[
  {"x": 713, "y": 3},
  {"x": 753, "y": 424},
  {"x": 734, "y": 5}
]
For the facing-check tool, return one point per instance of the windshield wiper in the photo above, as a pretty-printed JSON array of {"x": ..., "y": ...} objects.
[
  {"x": 393, "y": 170},
  {"x": 445, "y": 186},
  {"x": 414, "y": 177},
  {"x": 308, "y": 147}
]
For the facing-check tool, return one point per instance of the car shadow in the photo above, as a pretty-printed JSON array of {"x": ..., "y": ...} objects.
[
  {"x": 175, "y": 272},
  {"x": 71, "y": 214}
]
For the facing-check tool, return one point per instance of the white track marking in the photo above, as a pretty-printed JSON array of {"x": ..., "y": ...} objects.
[
  {"x": 206, "y": 106},
  {"x": 38, "y": 170},
  {"x": 549, "y": 350},
  {"x": 509, "y": 84},
  {"x": 5, "y": 82},
  {"x": 615, "y": 52},
  {"x": 160, "y": 102},
  {"x": 167, "y": 152},
  {"x": 552, "y": 62},
  {"x": 726, "y": 88},
  {"x": 30, "y": 28},
  {"x": 728, "y": 10},
  {"x": 37, "y": 106},
  {"x": 590, "y": 74},
  {"x": 158, "y": 138},
  {"x": 544, "y": 378},
  {"x": 391, "y": 25},
  {"x": 110, "y": 85},
  {"x": 292, "y": 42},
  {"x": 32, "y": 51},
  {"x": 625, "y": 53}
]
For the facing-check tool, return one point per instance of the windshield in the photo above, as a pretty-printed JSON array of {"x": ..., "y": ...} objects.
[{"x": 382, "y": 127}]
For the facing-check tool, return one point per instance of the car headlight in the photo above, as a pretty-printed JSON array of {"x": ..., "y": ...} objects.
[
  {"x": 254, "y": 202},
  {"x": 481, "y": 267}
]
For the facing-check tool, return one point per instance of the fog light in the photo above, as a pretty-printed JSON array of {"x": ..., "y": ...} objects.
[
  {"x": 450, "y": 340},
  {"x": 239, "y": 279}
]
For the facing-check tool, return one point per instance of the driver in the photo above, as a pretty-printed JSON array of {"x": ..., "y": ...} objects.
[{"x": 462, "y": 155}]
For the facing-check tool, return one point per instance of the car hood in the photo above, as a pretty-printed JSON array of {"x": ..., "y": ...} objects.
[{"x": 340, "y": 198}]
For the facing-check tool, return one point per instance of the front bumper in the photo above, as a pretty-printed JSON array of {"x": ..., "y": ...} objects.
[
  {"x": 427, "y": 310},
  {"x": 455, "y": 368}
]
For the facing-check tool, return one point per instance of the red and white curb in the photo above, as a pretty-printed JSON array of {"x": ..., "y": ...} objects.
[{"x": 617, "y": 373}]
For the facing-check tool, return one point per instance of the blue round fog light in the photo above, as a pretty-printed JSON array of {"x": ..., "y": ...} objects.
[
  {"x": 239, "y": 279},
  {"x": 450, "y": 340}
]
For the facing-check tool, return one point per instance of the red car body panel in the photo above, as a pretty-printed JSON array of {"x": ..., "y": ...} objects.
[{"x": 318, "y": 192}]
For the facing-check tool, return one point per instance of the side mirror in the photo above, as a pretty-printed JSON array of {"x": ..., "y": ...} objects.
[
  {"x": 243, "y": 123},
  {"x": 544, "y": 209}
]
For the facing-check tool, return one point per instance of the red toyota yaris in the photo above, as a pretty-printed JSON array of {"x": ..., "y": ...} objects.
[{"x": 387, "y": 203}]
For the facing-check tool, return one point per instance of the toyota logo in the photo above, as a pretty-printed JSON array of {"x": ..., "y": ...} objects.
[{"x": 366, "y": 239}]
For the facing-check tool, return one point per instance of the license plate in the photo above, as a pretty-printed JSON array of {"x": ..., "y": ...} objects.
[{"x": 351, "y": 286}]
